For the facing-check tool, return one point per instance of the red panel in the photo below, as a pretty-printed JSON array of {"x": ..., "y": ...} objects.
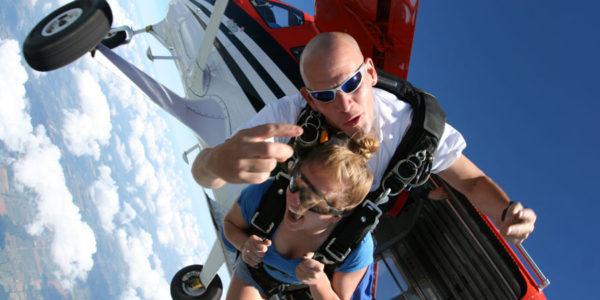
[{"x": 383, "y": 31}]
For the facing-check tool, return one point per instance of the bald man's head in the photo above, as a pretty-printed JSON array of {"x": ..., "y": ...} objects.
[
  {"x": 327, "y": 49},
  {"x": 328, "y": 61}
]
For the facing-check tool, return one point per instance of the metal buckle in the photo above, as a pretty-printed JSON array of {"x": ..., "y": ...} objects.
[
  {"x": 320, "y": 257},
  {"x": 265, "y": 231},
  {"x": 375, "y": 208},
  {"x": 383, "y": 195},
  {"x": 412, "y": 164},
  {"x": 313, "y": 122},
  {"x": 339, "y": 256}
]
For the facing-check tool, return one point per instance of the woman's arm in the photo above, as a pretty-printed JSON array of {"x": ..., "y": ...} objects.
[
  {"x": 253, "y": 248},
  {"x": 342, "y": 285}
]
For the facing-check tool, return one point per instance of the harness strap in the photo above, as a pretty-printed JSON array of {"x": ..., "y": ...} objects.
[
  {"x": 271, "y": 209},
  {"x": 272, "y": 286},
  {"x": 411, "y": 163}
]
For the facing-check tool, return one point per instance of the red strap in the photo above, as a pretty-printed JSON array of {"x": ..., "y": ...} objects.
[{"x": 399, "y": 204}]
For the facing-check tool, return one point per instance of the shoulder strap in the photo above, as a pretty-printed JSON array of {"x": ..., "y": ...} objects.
[
  {"x": 411, "y": 163},
  {"x": 271, "y": 209}
]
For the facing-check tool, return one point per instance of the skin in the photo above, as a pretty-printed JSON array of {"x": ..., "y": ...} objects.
[
  {"x": 295, "y": 239},
  {"x": 327, "y": 61}
]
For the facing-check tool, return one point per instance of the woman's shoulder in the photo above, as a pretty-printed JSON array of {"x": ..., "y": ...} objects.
[
  {"x": 360, "y": 257},
  {"x": 250, "y": 198}
]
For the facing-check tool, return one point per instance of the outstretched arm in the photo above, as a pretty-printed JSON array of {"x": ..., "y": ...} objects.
[
  {"x": 247, "y": 157},
  {"x": 488, "y": 197}
]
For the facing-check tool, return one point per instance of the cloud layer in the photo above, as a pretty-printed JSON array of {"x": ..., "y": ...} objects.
[
  {"x": 37, "y": 169},
  {"x": 152, "y": 212},
  {"x": 105, "y": 196},
  {"x": 87, "y": 129}
]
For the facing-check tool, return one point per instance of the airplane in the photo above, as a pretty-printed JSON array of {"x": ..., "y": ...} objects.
[{"x": 235, "y": 56}]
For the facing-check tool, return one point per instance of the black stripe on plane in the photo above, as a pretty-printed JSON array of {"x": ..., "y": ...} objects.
[
  {"x": 257, "y": 66},
  {"x": 265, "y": 41},
  {"x": 239, "y": 75}
]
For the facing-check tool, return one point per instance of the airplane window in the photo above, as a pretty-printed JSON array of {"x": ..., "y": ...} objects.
[
  {"x": 390, "y": 282},
  {"x": 278, "y": 15}
]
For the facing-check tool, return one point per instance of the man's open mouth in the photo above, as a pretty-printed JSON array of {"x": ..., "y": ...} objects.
[{"x": 353, "y": 121}]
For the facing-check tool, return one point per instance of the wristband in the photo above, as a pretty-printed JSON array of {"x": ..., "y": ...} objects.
[{"x": 505, "y": 209}]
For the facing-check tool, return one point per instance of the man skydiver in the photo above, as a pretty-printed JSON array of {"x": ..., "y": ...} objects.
[{"x": 339, "y": 84}]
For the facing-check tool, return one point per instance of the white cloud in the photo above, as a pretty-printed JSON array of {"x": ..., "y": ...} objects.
[
  {"x": 86, "y": 130},
  {"x": 174, "y": 224},
  {"x": 122, "y": 153},
  {"x": 140, "y": 204},
  {"x": 74, "y": 243},
  {"x": 38, "y": 169},
  {"x": 154, "y": 171},
  {"x": 15, "y": 122},
  {"x": 145, "y": 271},
  {"x": 128, "y": 214},
  {"x": 105, "y": 196},
  {"x": 145, "y": 174}
]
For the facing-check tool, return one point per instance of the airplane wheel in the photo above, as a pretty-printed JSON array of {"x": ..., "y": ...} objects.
[
  {"x": 116, "y": 39},
  {"x": 181, "y": 288},
  {"x": 67, "y": 34}
]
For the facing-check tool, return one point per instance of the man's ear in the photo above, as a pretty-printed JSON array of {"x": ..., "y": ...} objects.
[
  {"x": 308, "y": 99},
  {"x": 370, "y": 69}
]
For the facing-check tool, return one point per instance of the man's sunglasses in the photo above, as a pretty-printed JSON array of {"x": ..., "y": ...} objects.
[
  {"x": 349, "y": 86},
  {"x": 307, "y": 198}
]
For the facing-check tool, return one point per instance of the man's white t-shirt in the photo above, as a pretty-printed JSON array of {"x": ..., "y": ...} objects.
[{"x": 392, "y": 119}]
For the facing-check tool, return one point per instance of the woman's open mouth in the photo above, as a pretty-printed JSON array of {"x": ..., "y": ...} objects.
[{"x": 295, "y": 216}]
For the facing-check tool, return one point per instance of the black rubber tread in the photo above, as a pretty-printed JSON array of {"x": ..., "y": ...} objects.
[
  {"x": 212, "y": 292},
  {"x": 45, "y": 53}
]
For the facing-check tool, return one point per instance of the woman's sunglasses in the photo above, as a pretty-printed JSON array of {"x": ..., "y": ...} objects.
[
  {"x": 349, "y": 86},
  {"x": 307, "y": 198}
]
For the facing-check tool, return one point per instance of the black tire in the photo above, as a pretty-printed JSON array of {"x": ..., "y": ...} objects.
[
  {"x": 178, "y": 290},
  {"x": 84, "y": 24},
  {"x": 118, "y": 38}
]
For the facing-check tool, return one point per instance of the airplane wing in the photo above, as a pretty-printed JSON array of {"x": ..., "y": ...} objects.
[{"x": 207, "y": 118}]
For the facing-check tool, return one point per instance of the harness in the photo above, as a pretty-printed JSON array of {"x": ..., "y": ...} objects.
[{"x": 409, "y": 167}]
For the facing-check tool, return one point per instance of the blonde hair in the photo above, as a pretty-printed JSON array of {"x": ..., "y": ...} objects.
[{"x": 345, "y": 160}]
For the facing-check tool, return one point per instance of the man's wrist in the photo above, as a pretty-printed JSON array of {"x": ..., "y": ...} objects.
[{"x": 505, "y": 210}]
